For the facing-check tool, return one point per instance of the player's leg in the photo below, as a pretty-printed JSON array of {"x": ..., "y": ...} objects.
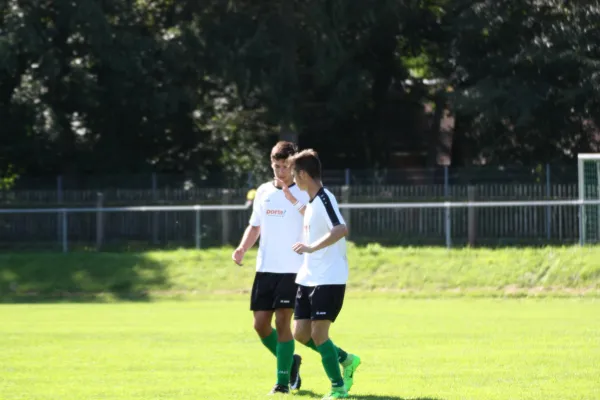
[
  {"x": 302, "y": 331},
  {"x": 266, "y": 333},
  {"x": 284, "y": 301},
  {"x": 348, "y": 361},
  {"x": 331, "y": 299},
  {"x": 327, "y": 301},
  {"x": 285, "y": 347},
  {"x": 303, "y": 324},
  {"x": 307, "y": 340},
  {"x": 261, "y": 304},
  {"x": 329, "y": 358}
]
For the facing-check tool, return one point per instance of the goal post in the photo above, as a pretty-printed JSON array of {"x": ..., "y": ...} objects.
[{"x": 588, "y": 174}]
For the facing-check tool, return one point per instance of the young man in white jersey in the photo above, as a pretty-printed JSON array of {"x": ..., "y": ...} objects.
[
  {"x": 277, "y": 219},
  {"x": 322, "y": 278}
]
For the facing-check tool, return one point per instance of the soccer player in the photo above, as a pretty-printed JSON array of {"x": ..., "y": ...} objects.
[
  {"x": 323, "y": 275},
  {"x": 277, "y": 219}
]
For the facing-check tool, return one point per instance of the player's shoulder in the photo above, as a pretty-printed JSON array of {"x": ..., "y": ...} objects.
[
  {"x": 265, "y": 188},
  {"x": 326, "y": 196},
  {"x": 299, "y": 193},
  {"x": 328, "y": 193},
  {"x": 324, "y": 199}
]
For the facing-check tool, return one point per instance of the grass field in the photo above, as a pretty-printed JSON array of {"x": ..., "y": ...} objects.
[
  {"x": 429, "y": 324},
  {"x": 412, "y": 349},
  {"x": 555, "y": 271}
]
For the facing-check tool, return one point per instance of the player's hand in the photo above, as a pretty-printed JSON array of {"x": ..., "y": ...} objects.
[
  {"x": 286, "y": 191},
  {"x": 238, "y": 256},
  {"x": 301, "y": 248}
]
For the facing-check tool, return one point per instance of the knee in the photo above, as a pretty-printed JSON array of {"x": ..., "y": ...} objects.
[
  {"x": 301, "y": 336},
  {"x": 302, "y": 333},
  {"x": 319, "y": 336},
  {"x": 282, "y": 324},
  {"x": 262, "y": 327}
]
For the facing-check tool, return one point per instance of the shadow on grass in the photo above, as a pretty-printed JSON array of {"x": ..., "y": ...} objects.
[
  {"x": 78, "y": 277},
  {"x": 313, "y": 395}
]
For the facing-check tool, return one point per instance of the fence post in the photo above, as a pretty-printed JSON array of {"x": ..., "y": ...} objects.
[
  {"x": 59, "y": 201},
  {"x": 448, "y": 220},
  {"x": 155, "y": 215},
  {"x": 448, "y": 226},
  {"x": 225, "y": 199},
  {"x": 347, "y": 176},
  {"x": 472, "y": 216},
  {"x": 99, "y": 222},
  {"x": 548, "y": 209},
  {"x": 65, "y": 244},
  {"x": 581, "y": 225},
  {"x": 198, "y": 231},
  {"x": 346, "y": 211}
]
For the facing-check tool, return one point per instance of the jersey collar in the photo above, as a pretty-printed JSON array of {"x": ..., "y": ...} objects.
[
  {"x": 278, "y": 188},
  {"x": 320, "y": 191}
]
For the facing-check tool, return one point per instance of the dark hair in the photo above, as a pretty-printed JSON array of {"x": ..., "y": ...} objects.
[
  {"x": 307, "y": 161},
  {"x": 283, "y": 150}
]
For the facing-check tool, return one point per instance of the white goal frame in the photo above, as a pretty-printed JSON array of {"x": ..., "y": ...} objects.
[{"x": 581, "y": 184}]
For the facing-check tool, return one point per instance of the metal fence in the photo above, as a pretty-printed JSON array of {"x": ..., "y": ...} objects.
[
  {"x": 432, "y": 221},
  {"x": 407, "y": 226}
]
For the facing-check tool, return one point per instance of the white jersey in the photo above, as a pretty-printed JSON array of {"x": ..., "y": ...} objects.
[
  {"x": 328, "y": 266},
  {"x": 280, "y": 228}
]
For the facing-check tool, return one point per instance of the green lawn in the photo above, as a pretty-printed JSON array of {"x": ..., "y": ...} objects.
[
  {"x": 429, "y": 272},
  {"x": 445, "y": 348}
]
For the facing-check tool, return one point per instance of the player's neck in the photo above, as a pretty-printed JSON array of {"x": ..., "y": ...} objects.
[
  {"x": 313, "y": 188},
  {"x": 288, "y": 182}
]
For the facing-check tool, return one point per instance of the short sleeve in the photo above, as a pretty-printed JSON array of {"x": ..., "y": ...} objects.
[
  {"x": 333, "y": 216},
  {"x": 256, "y": 210}
]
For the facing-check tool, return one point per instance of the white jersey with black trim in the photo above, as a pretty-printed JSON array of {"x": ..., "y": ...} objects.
[
  {"x": 328, "y": 266},
  {"x": 280, "y": 228}
]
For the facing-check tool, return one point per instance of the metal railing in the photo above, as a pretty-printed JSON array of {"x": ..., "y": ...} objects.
[{"x": 589, "y": 225}]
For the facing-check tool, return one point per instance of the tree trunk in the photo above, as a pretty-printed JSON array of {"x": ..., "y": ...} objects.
[{"x": 433, "y": 147}]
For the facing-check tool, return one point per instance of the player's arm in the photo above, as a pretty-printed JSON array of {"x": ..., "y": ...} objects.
[
  {"x": 334, "y": 235},
  {"x": 337, "y": 230},
  {"x": 251, "y": 234},
  {"x": 301, "y": 207},
  {"x": 249, "y": 238}
]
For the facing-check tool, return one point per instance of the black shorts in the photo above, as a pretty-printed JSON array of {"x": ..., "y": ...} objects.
[
  {"x": 319, "y": 302},
  {"x": 271, "y": 291}
]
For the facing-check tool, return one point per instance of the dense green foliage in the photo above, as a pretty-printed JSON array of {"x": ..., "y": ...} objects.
[{"x": 120, "y": 86}]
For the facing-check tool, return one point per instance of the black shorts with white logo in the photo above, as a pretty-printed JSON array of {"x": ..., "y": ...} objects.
[
  {"x": 322, "y": 302},
  {"x": 271, "y": 291}
]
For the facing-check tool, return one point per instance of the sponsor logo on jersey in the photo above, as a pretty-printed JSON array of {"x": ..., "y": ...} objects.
[{"x": 275, "y": 213}]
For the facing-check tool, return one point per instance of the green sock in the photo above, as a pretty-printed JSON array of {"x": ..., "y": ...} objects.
[
  {"x": 311, "y": 344},
  {"x": 342, "y": 355},
  {"x": 270, "y": 342},
  {"x": 329, "y": 358},
  {"x": 285, "y": 357}
]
